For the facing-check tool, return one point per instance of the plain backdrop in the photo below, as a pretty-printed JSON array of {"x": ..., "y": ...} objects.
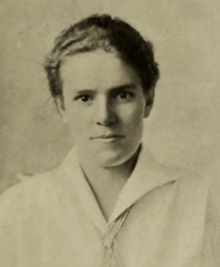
[{"x": 183, "y": 128}]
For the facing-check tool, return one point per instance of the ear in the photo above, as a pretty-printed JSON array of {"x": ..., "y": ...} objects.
[
  {"x": 149, "y": 102},
  {"x": 61, "y": 108}
]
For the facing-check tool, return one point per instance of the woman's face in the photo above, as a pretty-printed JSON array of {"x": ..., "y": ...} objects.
[{"x": 104, "y": 106}]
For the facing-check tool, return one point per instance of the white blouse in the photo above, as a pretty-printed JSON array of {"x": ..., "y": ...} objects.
[{"x": 164, "y": 217}]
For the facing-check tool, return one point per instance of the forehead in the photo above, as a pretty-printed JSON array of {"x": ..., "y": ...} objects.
[{"x": 96, "y": 69}]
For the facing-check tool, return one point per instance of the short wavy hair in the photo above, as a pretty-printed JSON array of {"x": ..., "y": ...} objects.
[{"x": 109, "y": 34}]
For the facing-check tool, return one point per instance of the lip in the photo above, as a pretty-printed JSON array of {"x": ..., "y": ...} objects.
[{"x": 108, "y": 136}]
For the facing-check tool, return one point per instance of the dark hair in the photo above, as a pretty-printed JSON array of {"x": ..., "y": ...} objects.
[{"x": 109, "y": 34}]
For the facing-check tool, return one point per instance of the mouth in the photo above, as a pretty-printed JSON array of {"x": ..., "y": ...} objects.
[{"x": 108, "y": 136}]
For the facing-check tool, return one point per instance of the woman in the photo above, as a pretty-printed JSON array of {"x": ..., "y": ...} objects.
[{"x": 109, "y": 203}]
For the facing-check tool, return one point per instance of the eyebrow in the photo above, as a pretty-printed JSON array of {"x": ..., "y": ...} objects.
[{"x": 128, "y": 86}]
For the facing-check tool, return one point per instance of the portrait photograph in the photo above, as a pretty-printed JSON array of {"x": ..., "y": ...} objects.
[{"x": 109, "y": 118}]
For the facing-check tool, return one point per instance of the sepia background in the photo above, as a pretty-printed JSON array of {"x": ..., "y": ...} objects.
[{"x": 184, "y": 127}]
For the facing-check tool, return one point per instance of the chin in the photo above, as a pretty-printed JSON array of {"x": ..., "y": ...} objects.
[{"x": 107, "y": 160}]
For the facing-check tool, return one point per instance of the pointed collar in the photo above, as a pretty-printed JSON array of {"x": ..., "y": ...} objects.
[
  {"x": 76, "y": 187},
  {"x": 147, "y": 176}
]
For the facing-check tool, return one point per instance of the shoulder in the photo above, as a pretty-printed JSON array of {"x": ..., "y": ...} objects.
[
  {"x": 29, "y": 184},
  {"x": 181, "y": 176},
  {"x": 40, "y": 194},
  {"x": 41, "y": 190},
  {"x": 29, "y": 193},
  {"x": 186, "y": 186}
]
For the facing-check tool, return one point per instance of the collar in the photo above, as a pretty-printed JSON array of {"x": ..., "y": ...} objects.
[{"x": 147, "y": 175}]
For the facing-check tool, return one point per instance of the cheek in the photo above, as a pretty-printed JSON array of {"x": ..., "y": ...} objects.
[
  {"x": 79, "y": 122},
  {"x": 133, "y": 117}
]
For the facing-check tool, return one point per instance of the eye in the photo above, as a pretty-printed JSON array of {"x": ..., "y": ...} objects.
[
  {"x": 124, "y": 95},
  {"x": 84, "y": 98}
]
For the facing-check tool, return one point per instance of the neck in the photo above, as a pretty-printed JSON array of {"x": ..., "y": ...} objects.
[
  {"x": 107, "y": 183},
  {"x": 121, "y": 172}
]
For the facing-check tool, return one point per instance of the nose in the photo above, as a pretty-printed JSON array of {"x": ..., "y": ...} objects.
[{"x": 104, "y": 112}]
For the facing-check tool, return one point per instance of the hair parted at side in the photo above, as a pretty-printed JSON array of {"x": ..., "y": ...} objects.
[{"x": 111, "y": 35}]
